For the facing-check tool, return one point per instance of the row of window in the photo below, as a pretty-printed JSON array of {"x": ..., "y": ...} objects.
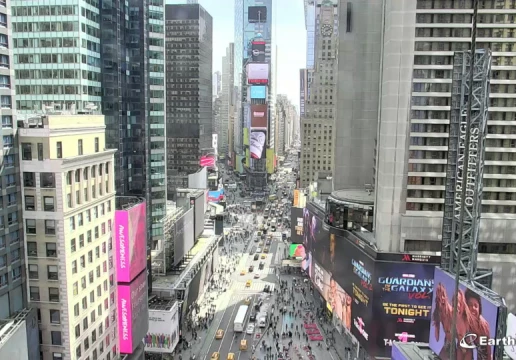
[
  {"x": 44, "y": 10},
  {"x": 82, "y": 262},
  {"x": 52, "y": 275},
  {"x": 13, "y": 237},
  {"x": 15, "y": 256}
]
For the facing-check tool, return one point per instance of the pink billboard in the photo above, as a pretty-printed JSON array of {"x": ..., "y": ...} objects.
[
  {"x": 130, "y": 242},
  {"x": 133, "y": 313}
]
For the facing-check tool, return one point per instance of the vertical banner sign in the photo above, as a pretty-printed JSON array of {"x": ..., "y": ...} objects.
[{"x": 296, "y": 198}]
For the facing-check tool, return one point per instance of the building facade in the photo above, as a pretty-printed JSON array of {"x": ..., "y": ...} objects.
[
  {"x": 217, "y": 83},
  {"x": 68, "y": 197},
  {"x": 286, "y": 117},
  {"x": 227, "y": 105},
  {"x": 318, "y": 123},
  {"x": 189, "y": 50},
  {"x": 13, "y": 294}
]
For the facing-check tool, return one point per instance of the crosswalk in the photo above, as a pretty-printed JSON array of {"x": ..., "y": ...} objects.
[{"x": 255, "y": 286}]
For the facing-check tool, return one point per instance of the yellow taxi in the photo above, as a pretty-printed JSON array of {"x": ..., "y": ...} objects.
[
  {"x": 243, "y": 345},
  {"x": 215, "y": 356},
  {"x": 264, "y": 256},
  {"x": 247, "y": 301},
  {"x": 248, "y": 283},
  {"x": 231, "y": 356},
  {"x": 266, "y": 250},
  {"x": 219, "y": 334},
  {"x": 243, "y": 272},
  {"x": 260, "y": 243}
]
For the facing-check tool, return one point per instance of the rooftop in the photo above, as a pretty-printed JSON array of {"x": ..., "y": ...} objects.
[
  {"x": 157, "y": 303},
  {"x": 358, "y": 196},
  {"x": 61, "y": 121},
  {"x": 204, "y": 246},
  {"x": 415, "y": 351}
]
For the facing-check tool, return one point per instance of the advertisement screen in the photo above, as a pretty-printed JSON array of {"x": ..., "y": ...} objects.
[
  {"x": 257, "y": 140},
  {"x": 133, "y": 314},
  {"x": 257, "y": 14},
  {"x": 258, "y": 92},
  {"x": 510, "y": 350},
  {"x": 184, "y": 235},
  {"x": 247, "y": 116},
  {"x": 258, "y": 73},
  {"x": 259, "y": 116},
  {"x": 258, "y": 51},
  {"x": 216, "y": 196},
  {"x": 321, "y": 279},
  {"x": 270, "y": 161},
  {"x": 131, "y": 242},
  {"x": 477, "y": 316},
  {"x": 207, "y": 161},
  {"x": 296, "y": 251},
  {"x": 402, "y": 303},
  {"x": 199, "y": 204},
  {"x": 163, "y": 334}
]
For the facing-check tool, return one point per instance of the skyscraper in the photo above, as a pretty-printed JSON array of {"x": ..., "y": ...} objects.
[
  {"x": 189, "y": 50},
  {"x": 13, "y": 293},
  {"x": 318, "y": 122},
  {"x": 59, "y": 68},
  {"x": 227, "y": 110},
  {"x": 217, "y": 83},
  {"x": 69, "y": 202}
]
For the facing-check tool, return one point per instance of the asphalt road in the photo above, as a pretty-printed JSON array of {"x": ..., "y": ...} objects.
[{"x": 238, "y": 293}]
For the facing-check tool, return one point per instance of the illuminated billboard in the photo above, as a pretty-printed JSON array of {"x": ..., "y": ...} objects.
[
  {"x": 257, "y": 73},
  {"x": 257, "y": 140},
  {"x": 183, "y": 235},
  {"x": 258, "y": 51},
  {"x": 257, "y": 14},
  {"x": 478, "y": 317},
  {"x": 259, "y": 118},
  {"x": 296, "y": 225},
  {"x": 208, "y": 161},
  {"x": 258, "y": 92},
  {"x": 130, "y": 242},
  {"x": 133, "y": 314},
  {"x": 270, "y": 161},
  {"x": 246, "y": 137},
  {"x": 163, "y": 334}
]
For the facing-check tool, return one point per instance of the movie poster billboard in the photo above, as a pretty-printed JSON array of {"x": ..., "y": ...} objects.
[
  {"x": 257, "y": 140},
  {"x": 163, "y": 334},
  {"x": 131, "y": 242},
  {"x": 402, "y": 304},
  {"x": 341, "y": 303},
  {"x": 296, "y": 224},
  {"x": 258, "y": 51},
  {"x": 259, "y": 118},
  {"x": 477, "y": 318}
]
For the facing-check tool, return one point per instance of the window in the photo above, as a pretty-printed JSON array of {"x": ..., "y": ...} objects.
[
  {"x": 47, "y": 180},
  {"x": 77, "y": 175},
  {"x": 55, "y": 316},
  {"x": 93, "y": 192},
  {"x": 12, "y": 218},
  {"x": 69, "y": 178},
  {"x": 16, "y": 273},
  {"x": 77, "y": 331},
  {"x": 30, "y": 226},
  {"x": 59, "y": 149},
  {"x": 10, "y": 180},
  {"x": 57, "y": 356},
  {"x": 33, "y": 272},
  {"x": 86, "y": 194},
  {"x": 49, "y": 203},
  {"x": 3, "y": 261},
  {"x": 86, "y": 344},
  {"x": 40, "y": 151},
  {"x": 78, "y": 352},
  {"x": 32, "y": 248},
  {"x": 90, "y": 256},
  {"x": 50, "y": 227},
  {"x": 15, "y": 255},
  {"x": 97, "y": 144},
  {"x": 81, "y": 241},
  {"x": 52, "y": 272},
  {"x": 7, "y": 121},
  {"x": 82, "y": 261},
  {"x": 11, "y": 199},
  {"x": 77, "y": 197},
  {"x": 74, "y": 267},
  {"x": 29, "y": 179},
  {"x": 75, "y": 288},
  {"x": 34, "y": 293},
  {"x": 26, "y": 151},
  {"x": 80, "y": 150},
  {"x": 30, "y": 203},
  {"x": 53, "y": 294},
  {"x": 8, "y": 141},
  {"x": 76, "y": 310},
  {"x": 56, "y": 337},
  {"x": 51, "y": 249},
  {"x": 85, "y": 322}
]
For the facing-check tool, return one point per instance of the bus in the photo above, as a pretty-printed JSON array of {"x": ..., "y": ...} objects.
[{"x": 240, "y": 318}]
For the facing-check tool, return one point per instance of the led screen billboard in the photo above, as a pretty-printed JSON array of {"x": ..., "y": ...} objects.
[
  {"x": 257, "y": 140},
  {"x": 133, "y": 314},
  {"x": 208, "y": 161},
  {"x": 477, "y": 317},
  {"x": 259, "y": 118},
  {"x": 257, "y": 14},
  {"x": 163, "y": 334},
  {"x": 296, "y": 251},
  {"x": 183, "y": 235},
  {"x": 216, "y": 196},
  {"x": 258, "y": 51},
  {"x": 510, "y": 349},
  {"x": 257, "y": 73},
  {"x": 402, "y": 303},
  {"x": 258, "y": 92},
  {"x": 131, "y": 242}
]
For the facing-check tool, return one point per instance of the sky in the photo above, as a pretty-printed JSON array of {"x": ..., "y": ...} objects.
[{"x": 289, "y": 35}]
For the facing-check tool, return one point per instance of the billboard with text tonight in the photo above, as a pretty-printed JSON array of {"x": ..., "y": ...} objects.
[
  {"x": 163, "y": 334},
  {"x": 130, "y": 242},
  {"x": 133, "y": 313},
  {"x": 259, "y": 118},
  {"x": 402, "y": 303},
  {"x": 478, "y": 317},
  {"x": 257, "y": 73}
]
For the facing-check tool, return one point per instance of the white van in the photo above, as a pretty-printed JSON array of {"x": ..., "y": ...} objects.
[{"x": 262, "y": 321}]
